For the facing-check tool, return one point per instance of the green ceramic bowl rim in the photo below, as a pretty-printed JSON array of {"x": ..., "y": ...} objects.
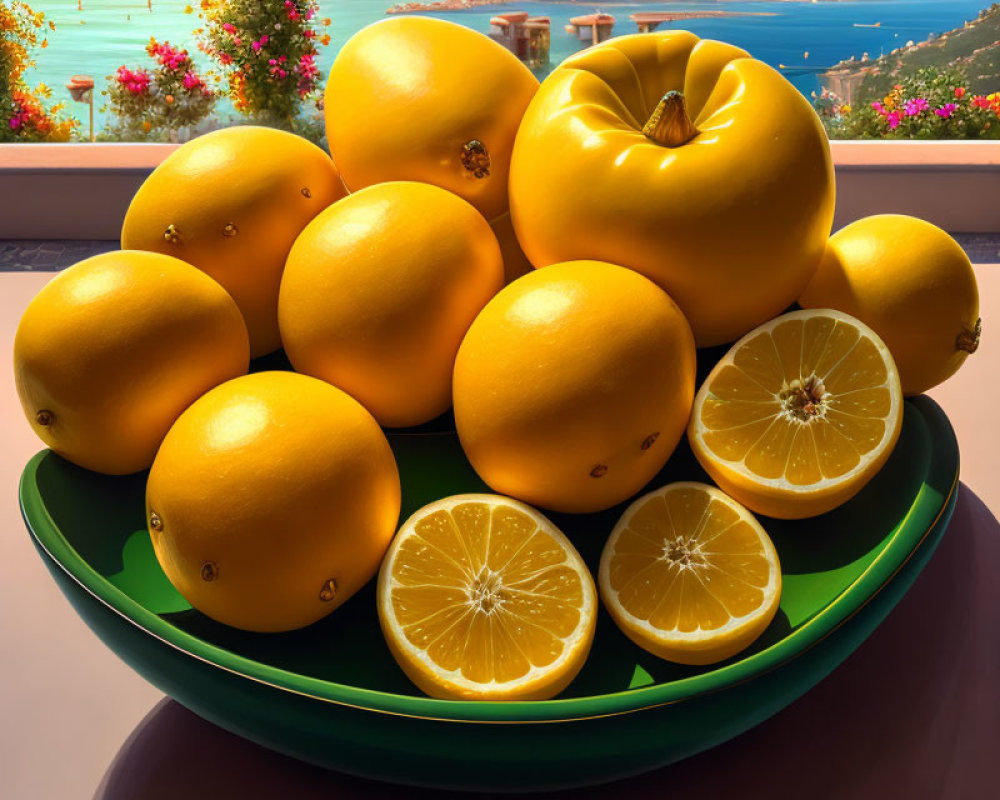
[{"x": 924, "y": 514}]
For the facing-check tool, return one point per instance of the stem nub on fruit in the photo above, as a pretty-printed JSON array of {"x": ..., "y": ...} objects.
[
  {"x": 44, "y": 418},
  {"x": 329, "y": 591},
  {"x": 476, "y": 158},
  {"x": 669, "y": 124},
  {"x": 969, "y": 340}
]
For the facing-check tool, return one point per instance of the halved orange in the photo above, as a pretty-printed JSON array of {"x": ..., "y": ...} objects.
[
  {"x": 482, "y": 598},
  {"x": 689, "y": 574},
  {"x": 799, "y": 415}
]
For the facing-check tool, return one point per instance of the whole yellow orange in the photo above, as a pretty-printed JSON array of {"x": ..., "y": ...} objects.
[
  {"x": 574, "y": 385},
  {"x": 686, "y": 160},
  {"x": 419, "y": 99},
  {"x": 380, "y": 289},
  {"x": 231, "y": 202},
  {"x": 272, "y": 501},
  {"x": 113, "y": 349},
  {"x": 912, "y": 284}
]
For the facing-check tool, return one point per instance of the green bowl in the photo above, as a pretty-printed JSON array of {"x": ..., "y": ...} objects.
[{"x": 332, "y": 694}]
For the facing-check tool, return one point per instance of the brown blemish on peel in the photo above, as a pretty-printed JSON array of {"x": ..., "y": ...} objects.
[
  {"x": 476, "y": 158},
  {"x": 329, "y": 591},
  {"x": 969, "y": 340}
]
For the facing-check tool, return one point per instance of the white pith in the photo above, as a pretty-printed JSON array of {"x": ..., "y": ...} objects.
[
  {"x": 865, "y": 459},
  {"x": 536, "y": 675},
  {"x": 673, "y": 636}
]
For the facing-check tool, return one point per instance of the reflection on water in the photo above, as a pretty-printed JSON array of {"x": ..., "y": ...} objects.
[{"x": 911, "y": 714}]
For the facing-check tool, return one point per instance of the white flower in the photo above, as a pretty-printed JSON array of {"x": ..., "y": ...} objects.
[{"x": 277, "y": 26}]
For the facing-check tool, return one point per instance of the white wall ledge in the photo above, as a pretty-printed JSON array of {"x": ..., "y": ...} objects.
[{"x": 81, "y": 191}]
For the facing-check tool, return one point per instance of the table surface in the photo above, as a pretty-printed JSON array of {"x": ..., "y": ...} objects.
[{"x": 914, "y": 712}]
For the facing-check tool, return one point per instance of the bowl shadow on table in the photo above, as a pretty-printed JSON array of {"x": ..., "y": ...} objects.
[{"x": 912, "y": 713}]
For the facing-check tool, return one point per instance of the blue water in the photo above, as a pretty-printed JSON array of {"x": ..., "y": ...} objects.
[{"x": 106, "y": 34}]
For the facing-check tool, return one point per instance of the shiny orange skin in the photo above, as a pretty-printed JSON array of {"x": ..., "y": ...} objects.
[
  {"x": 731, "y": 224},
  {"x": 909, "y": 281},
  {"x": 266, "y": 489},
  {"x": 574, "y": 385},
  {"x": 237, "y": 198},
  {"x": 406, "y": 94},
  {"x": 115, "y": 347},
  {"x": 380, "y": 289}
]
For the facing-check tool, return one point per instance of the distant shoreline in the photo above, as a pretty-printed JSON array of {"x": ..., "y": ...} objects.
[{"x": 443, "y": 6}]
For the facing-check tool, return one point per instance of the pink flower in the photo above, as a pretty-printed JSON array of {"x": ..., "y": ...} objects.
[
  {"x": 228, "y": 27},
  {"x": 879, "y": 108},
  {"x": 308, "y": 33},
  {"x": 264, "y": 39},
  {"x": 272, "y": 61},
  {"x": 980, "y": 101},
  {"x": 237, "y": 41},
  {"x": 915, "y": 106},
  {"x": 256, "y": 46},
  {"x": 225, "y": 58},
  {"x": 15, "y": 123},
  {"x": 191, "y": 81},
  {"x": 946, "y": 110},
  {"x": 893, "y": 118}
]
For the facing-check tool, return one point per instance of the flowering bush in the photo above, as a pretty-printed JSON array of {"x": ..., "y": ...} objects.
[
  {"x": 23, "y": 115},
  {"x": 157, "y": 103},
  {"x": 266, "y": 50},
  {"x": 931, "y": 104}
]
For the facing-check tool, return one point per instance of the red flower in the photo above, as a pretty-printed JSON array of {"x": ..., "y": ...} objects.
[{"x": 960, "y": 92}]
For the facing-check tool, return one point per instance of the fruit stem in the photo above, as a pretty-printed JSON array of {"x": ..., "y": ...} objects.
[
  {"x": 969, "y": 340},
  {"x": 669, "y": 124}
]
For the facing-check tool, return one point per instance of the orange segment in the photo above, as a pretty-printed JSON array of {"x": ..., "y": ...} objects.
[
  {"x": 799, "y": 415},
  {"x": 689, "y": 575},
  {"x": 481, "y": 597}
]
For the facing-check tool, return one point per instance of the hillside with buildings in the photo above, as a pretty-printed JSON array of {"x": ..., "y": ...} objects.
[{"x": 973, "y": 48}]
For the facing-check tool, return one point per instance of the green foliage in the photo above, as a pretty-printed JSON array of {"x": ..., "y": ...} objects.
[
  {"x": 156, "y": 104},
  {"x": 266, "y": 51},
  {"x": 932, "y": 103},
  {"x": 24, "y": 116}
]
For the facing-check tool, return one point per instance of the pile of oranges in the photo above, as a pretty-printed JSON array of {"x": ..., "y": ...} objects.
[{"x": 545, "y": 261}]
